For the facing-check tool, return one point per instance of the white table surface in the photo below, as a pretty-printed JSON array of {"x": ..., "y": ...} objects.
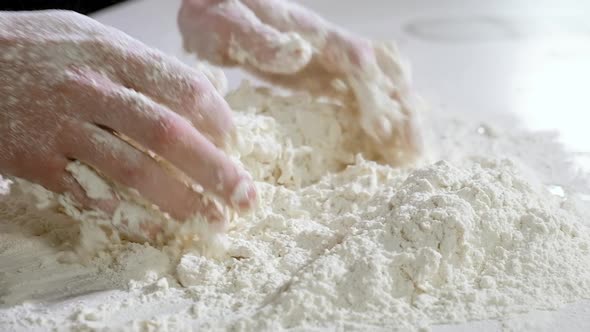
[{"x": 485, "y": 58}]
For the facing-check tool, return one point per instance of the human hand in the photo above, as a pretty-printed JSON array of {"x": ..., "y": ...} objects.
[
  {"x": 71, "y": 89},
  {"x": 287, "y": 44}
]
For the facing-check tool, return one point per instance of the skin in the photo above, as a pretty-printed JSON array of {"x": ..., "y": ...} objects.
[
  {"x": 73, "y": 89},
  {"x": 378, "y": 80},
  {"x": 78, "y": 80}
]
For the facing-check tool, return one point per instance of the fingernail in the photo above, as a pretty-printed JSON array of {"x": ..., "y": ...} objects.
[{"x": 243, "y": 195}]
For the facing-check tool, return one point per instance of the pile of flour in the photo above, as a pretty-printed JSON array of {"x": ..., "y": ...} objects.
[{"x": 338, "y": 240}]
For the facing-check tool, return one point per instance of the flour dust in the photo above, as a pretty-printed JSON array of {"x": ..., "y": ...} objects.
[{"x": 338, "y": 241}]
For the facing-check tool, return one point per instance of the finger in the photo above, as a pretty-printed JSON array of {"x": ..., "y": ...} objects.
[
  {"x": 178, "y": 87},
  {"x": 123, "y": 164},
  {"x": 56, "y": 178},
  {"x": 86, "y": 181},
  {"x": 290, "y": 16},
  {"x": 215, "y": 75},
  {"x": 345, "y": 55},
  {"x": 314, "y": 79},
  {"x": 83, "y": 192},
  {"x": 167, "y": 134},
  {"x": 235, "y": 35},
  {"x": 134, "y": 226},
  {"x": 338, "y": 50}
]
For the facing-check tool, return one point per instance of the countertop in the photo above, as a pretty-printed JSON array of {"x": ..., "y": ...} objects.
[{"x": 527, "y": 59}]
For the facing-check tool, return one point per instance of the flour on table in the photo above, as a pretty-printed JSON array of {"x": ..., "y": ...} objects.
[{"x": 338, "y": 241}]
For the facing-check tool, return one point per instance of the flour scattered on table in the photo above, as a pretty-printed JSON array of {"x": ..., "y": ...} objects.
[{"x": 338, "y": 240}]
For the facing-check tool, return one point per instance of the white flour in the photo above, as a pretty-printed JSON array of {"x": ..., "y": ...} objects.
[
  {"x": 337, "y": 241},
  {"x": 4, "y": 186}
]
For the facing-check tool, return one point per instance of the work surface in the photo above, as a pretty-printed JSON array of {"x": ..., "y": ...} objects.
[{"x": 486, "y": 59}]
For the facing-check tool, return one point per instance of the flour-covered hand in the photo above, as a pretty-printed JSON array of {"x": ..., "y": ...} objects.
[
  {"x": 73, "y": 89},
  {"x": 287, "y": 44}
]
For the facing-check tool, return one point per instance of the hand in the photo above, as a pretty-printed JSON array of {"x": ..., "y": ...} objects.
[
  {"x": 71, "y": 89},
  {"x": 287, "y": 44}
]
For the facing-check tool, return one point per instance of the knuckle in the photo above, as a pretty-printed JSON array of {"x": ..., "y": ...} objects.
[
  {"x": 167, "y": 132},
  {"x": 195, "y": 85},
  {"x": 207, "y": 96},
  {"x": 189, "y": 90}
]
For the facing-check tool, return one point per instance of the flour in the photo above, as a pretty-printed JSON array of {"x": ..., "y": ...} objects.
[
  {"x": 291, "y": 53},
  {"x": 94, "y": 186},
  {"x": 447, "y": 244},
  {"x": 196, "y": 269},
  {"x": 338, "y": 240},
  {"x": 4, "y": 186},
  {"x": 273, "y": 52},
  {"x": 288, "y": 45}
]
